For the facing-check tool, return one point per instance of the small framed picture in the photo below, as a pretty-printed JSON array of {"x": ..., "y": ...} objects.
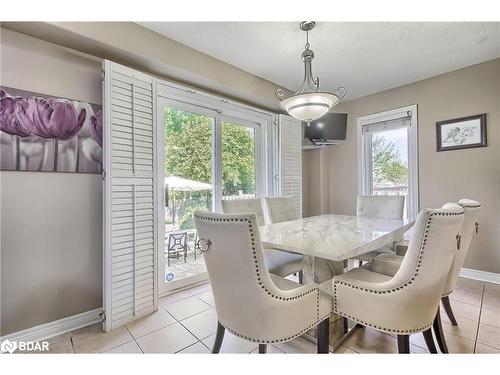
[{"x": 465, "y": 132}]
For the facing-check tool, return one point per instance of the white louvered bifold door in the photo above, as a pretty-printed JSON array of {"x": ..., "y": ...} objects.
[
  {"x": 130, "y": 195},
  {"x": 290, "y": 159}
]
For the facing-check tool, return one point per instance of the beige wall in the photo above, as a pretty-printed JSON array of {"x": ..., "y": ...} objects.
[
  {"x": 444, "y": 176},
  {"x": 51, "y": 252},
  {"x": 315, "y": 181}
]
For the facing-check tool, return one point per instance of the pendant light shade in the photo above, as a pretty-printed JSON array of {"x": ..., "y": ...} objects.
[
  {"x": 308, "y": 103},
  {"x": 310, "y": 106}
]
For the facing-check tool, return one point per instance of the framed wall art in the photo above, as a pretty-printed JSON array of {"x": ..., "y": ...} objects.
[
  {"x": 464, "y": 132},
  {"x": 48, "y": 134}
]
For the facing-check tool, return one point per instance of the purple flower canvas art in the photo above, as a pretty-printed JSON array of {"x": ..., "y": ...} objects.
[{"x": 43, "y": 133}]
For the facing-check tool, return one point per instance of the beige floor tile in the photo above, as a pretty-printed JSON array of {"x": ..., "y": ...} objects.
[
  {"x": 344, "y": 350},
  {"x": 64, "y": 336},
  {"x": 60, "y": 346},
  {"x": 93, "y": 339},
  {"x": 271, "y": 349},
  {"x": 467, "y": 297},
  {"x": 150, "y": 323},
  {"x": 491, "y": 301},
  {"x": 469, "y": 285},
  {"x": 128, "y": 348},
  {"x": 170, "y": 339},
  {"x": 466, "y": 328},
  {"x": 414, "y": 349},
  {"x": 300, "y": 345},
  {"x": 187, "y": 307},
  {"x": 492, "y": 289},
  {"x": 203, "y": 324},
  {"x": 489, "y": 335},
  {"x": 461, "y": 309},
  {"x": 490, "y": 317},
  {"x": 231, "y": 344},
  {"x": 417, "y": 339},
  {"x": 174, "y": 297},
  {"x": 207, "y": 297},
  {"x": 367, "y": 340},
  {"x": 485, "y": 349},
  {"x": 458, "y": 344},
  {"x": 197, "y": 348},
  {"x": 200, "y": 289}
]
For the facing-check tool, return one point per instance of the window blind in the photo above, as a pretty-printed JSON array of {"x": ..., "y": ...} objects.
[
  {"x": 290, "y": 159},
  {"x": 130, "y": 195},
  {"x": 403, "y": 122}
]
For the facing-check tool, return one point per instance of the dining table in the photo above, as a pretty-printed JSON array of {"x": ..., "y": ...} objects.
[{"x": 327, "y": 242}]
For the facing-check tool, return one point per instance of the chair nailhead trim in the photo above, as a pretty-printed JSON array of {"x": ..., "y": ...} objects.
[
  {"x": 277, "y": 340},
  {"x": 268, "y": 292},
  {"x": 396, "y": 289}
]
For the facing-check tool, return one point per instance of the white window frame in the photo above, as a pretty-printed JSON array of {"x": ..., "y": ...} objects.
[
  {"x": 221, "y": 109},
  {"x": 259, "y": 167},
  {"x": 364, "y": 153}
]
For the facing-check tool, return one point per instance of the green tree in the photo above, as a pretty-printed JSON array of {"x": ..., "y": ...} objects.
[
  {"x": 238, "y": 159},
  {"x": 387, "y": 163},
  {"x": 188, "y": 146},
  {"x": 188, "y": 154}
]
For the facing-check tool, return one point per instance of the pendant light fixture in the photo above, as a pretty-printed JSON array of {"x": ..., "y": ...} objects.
[{"x": 308, "y": 103}]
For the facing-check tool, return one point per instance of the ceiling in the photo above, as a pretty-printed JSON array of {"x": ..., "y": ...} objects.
[{"x": 364, "y": 57}]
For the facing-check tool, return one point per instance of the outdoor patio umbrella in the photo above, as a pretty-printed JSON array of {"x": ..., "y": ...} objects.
[
  {"x": 183, "y": 184},
  {"x": 176, "y": 183}
]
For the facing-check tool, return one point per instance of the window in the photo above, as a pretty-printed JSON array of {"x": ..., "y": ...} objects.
[
  {"x": 211, "y": 149},
  {"x": 387, "y": 156},
  {"x": 238, "y": 160},
  {"x": 188, "y": 166}
]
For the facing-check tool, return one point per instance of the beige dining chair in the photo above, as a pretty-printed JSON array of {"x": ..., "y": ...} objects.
[
  {"x": 250, "y": 302},
  {"x": 278, "y": 262},
  {"x": 407, "y": 302},
  {"x": 389, "y": 264},
  {"x": 381, "y": 206},
  {"x": 280, "y": 209}
]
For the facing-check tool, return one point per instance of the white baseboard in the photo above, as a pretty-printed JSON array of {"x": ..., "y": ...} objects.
[
  {"x": 489, "y": 277},
  {"x": 58, "y": 327}
]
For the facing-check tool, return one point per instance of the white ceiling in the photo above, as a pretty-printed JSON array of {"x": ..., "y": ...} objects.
[{"x": 364, "y": 57}]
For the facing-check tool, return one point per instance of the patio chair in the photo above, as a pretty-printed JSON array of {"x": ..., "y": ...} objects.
[{"x": 177, "y": 243}]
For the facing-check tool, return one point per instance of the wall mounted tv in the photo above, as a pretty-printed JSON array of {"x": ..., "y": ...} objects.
[{"x": 329, "y": 129}]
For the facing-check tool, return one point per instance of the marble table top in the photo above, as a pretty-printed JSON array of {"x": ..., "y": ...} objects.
[{"x": 333, "y": 237}]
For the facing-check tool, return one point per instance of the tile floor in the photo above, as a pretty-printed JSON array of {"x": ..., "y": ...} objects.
[
  {"x": 179, "y": 269},
  {"x": 186, "y": 323}
]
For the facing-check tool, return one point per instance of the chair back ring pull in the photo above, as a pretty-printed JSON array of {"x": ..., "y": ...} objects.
[{"x": 204, "y": 245}]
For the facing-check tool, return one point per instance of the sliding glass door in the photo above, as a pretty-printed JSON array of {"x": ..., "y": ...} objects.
[
  {"x": 207, "y": 157},
  {"x": 240, "y": 154}
]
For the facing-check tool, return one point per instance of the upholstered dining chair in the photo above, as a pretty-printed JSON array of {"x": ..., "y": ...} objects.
[
  {"x": 250, "y": 302},
  {"x": 278, "y": 262},
  {"x": 388, "y": 264},
  {"x": 280, "y": 209},
  {"x": 382, "y": 206},
  {"x": 407, "y": 302}
]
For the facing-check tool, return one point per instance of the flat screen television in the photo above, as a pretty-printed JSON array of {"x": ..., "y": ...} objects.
[{"x": 328, "y": 129}]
